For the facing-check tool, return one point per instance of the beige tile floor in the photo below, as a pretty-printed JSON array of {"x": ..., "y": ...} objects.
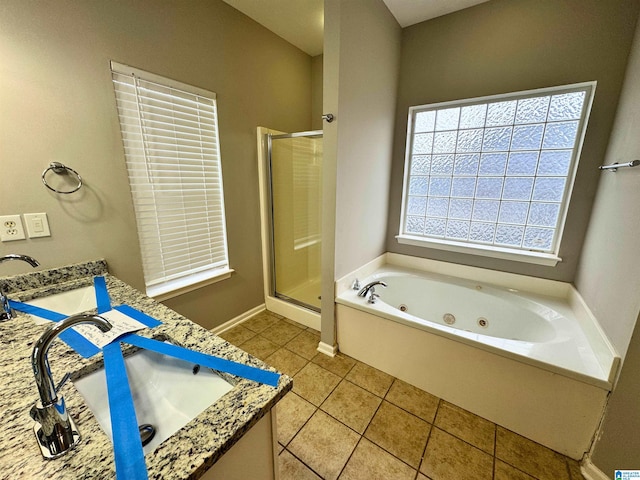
[{"x": 346, "y": 420}]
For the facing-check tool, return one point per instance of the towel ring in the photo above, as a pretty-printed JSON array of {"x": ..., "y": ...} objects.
[{"x": 61, "y": 169}]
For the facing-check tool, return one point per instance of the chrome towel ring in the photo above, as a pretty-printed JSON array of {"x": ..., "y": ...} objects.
[{"x": 61, "y": 169}]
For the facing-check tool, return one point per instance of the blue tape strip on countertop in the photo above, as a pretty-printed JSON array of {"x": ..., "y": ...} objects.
[
  {"x": 127, "y": 447},
  {"x": 103, "y": 301},
  {"x": 128, "y": 452},
  {"x": 138, "y": 315},
  {"x": 216, "y": 363},
  {"x": 37, "y": 311},
  {"x": 72, "y": 338}
]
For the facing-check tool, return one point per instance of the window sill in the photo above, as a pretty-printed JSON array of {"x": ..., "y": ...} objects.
[
  {"x": 184, "y": 285},
  {"x": 538, "y": 258}
]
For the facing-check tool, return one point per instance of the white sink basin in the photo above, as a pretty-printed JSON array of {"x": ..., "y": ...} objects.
[
  {"x": 67, "y": 303},
  {"x": 165, "y": 391}
]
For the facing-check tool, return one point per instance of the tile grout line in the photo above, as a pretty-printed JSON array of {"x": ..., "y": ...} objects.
[
  {"x": 302, "y": 462},
  {"x": 350, "y": 455},
  {"x": 495, "y": 450},
  {"x": 495, "y": 457},
  {"x": 433, "y": 425},
  {"x": 519, "y": 469}
]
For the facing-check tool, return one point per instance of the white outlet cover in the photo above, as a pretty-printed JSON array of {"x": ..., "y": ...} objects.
[{"x": 11, "y": 228}]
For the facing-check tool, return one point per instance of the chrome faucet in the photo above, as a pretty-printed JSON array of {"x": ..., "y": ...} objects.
[
  {"x": 369, "y": 288},
  {"x": 55, "y": 430},
  {"x": 6, "y": 312}
]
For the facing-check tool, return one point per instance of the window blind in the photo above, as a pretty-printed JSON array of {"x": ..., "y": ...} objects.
[
  {"x": 307, "y": 205},
  {"x": 170, "y": 137}
]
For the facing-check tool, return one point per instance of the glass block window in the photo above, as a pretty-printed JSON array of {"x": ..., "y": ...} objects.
[{"x": 494, "y": 173}]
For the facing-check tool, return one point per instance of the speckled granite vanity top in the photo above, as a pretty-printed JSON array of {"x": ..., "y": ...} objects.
[{"x": 186, "y": 455}]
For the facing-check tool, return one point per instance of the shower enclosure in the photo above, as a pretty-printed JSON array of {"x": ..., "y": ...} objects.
[{"x": 295, "y": 197}]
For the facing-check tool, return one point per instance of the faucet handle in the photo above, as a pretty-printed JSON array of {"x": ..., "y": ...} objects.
[
  {"x": 372, "y": 296},
  {"x": 356, "y": 285},
  {"x": 64, "y": 380}
]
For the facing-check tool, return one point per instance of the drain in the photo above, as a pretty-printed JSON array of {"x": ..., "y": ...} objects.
[
  {"x": 449, "y": 318},
  {"x": 147, "y": 432},
  {"x": 483, "y": 322},
  {"x": 403, "y": 307}
]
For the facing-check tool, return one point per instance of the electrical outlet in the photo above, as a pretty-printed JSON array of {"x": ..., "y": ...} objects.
[{"x": 11, "y": 228}]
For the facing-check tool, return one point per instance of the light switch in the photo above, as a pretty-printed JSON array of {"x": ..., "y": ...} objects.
[{"x": 37, "y": 225}]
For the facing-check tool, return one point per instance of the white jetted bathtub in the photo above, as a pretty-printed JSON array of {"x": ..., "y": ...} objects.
[{"x": 523, "y": 352}]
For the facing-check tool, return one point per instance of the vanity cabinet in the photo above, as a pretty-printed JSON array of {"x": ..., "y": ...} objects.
[{"x": 254, "y": 457}]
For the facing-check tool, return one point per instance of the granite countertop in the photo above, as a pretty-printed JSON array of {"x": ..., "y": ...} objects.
[{"x": 186, "y": 455}]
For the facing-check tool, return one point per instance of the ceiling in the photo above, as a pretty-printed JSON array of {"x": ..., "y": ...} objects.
[{"x": 301, "y": 22}]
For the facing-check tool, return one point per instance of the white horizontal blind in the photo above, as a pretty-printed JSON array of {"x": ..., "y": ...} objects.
[
  {"x": 494, "y": 172},
  {"x": 170, "y": 136},
  {"x": 307, "y": 205}
]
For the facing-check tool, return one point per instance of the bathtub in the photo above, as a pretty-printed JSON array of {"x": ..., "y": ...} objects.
[{"x": 524, "y": 353}]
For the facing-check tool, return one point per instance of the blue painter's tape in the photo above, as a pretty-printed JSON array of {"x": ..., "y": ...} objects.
[
  {"x": 138, "y": 315},
  {"x": 102, "y": 295},
  {"x": 127, "y": 447},
  {"x": 220, "y": 364},
  {"x": 72, "y": 338},
  {"x": 37, "y": 311},
  {"x": 79, "y": 343}
]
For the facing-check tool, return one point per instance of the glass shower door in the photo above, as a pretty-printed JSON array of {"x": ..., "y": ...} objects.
[{"x": 296, "y": 205}]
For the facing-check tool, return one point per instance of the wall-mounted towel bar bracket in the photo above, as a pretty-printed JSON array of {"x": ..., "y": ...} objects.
[
  {"x": 614, "y": 167},
  {"x": 60, "y": 169}
]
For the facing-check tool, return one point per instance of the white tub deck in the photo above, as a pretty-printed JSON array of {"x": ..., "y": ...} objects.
[{"x": 551, "y": 391}]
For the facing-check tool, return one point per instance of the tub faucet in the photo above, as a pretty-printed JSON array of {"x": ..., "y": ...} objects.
[
  {"x": 369, "y": 288},
  {"x": 55, "y": 431},
  {"x": 6, "y": 312}
]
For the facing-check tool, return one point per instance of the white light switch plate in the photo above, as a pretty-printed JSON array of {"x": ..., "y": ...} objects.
[
  {"x": 37, "y": 225},
  {"x": 11, "y": 228}
]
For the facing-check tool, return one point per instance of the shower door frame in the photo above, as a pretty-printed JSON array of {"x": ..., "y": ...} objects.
[
  {"x": 302, "y": 315},
  {"x": 272, "y": 251}
]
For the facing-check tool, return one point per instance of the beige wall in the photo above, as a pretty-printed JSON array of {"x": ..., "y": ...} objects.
[
  {"x": 369, "y": 56},
  {"x": 57, "y": 103},
  {"x": 609, "y": 275},
  {"x": 361, "y": 55},
  {"x": 512, "y": 45},
  {"x": 617, "y": 444}
]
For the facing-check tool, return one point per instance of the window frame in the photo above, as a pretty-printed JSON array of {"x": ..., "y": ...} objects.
[
  {"x": 520, "y": 254},
  {"x": 191, "y": 278}
]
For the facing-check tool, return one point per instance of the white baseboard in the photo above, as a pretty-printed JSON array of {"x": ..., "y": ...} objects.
[
  {"x": 327, "y": 349},
  {"x": 238, "y": 320},
  {"x": 591, "y": 472}
]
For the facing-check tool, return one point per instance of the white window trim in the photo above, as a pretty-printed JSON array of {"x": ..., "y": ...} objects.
[
  {"x": 519, "y": 255},
  {"x": 181, "y": 286},
  {"x": 178, "y": 284},
  {"x": 539, "y": 258}
]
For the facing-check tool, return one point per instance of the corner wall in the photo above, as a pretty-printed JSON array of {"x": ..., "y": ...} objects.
[
  {"x": 609, "y": 276},
  {"x": 361, "y": 57},
  {"x": 505, "y": 46}
]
